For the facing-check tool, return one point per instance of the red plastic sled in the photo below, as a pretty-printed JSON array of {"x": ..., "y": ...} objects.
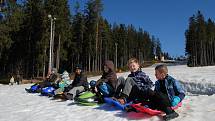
[{"x": 149, "y": 111}]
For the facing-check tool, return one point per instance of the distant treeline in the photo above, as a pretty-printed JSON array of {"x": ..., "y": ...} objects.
[
  {"x": 200, "y": 41},
  {"x": 85, "y": 38}
]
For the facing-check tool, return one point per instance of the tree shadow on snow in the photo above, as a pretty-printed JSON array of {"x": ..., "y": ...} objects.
[
  {"x": 72, "y": 103},
  {"x": 106, "y": 107}
]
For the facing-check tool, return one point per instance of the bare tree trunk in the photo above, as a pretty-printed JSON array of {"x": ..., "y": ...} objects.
[
  {"x": 204, "y": 55},
  {"x": 139, "y": 56},
  {"x": 213, "y": 55},
  {"x": 100, "y": 64},
  {"x": 44, "y": 63},
  {"x": 201, "y": 53},
  {"x": 97, "y": 39},
  {"x": 58, "y": 54},
  {"x": 27, "y": 69},
  {"x": 52, "y": 47},
  {"x": 106, "y": 53},
  {"x": 89, "y": 63},
  {"x": 209, "y": 54},
  {"x": 44, "y": 68},
  {"x": 195, "y": 53},
  {"x": 100, "y": 59},
  {"x": 38, "y": 73},
  {"x": 93, "y": 68}
]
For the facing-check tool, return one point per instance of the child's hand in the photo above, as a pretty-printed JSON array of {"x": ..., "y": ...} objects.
[
  {"x": 99, "y": 82},
  {"x": 175, "y": 100},
  {"x": 96, "y": 90}
]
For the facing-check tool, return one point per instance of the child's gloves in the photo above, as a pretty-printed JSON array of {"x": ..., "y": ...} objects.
[
  {"x": 92, "y": 83},
  {"x": 175, "y": 100}
]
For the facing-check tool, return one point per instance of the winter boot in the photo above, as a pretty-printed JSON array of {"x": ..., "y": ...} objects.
[{"x": 170, "y": 116}]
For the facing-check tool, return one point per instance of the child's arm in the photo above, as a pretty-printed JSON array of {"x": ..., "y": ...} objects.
[
  {"x": 83, "y": 81},
  {"x": 146, "y": 80},
  {"x": 157, "y": 87},
  {"x": 178, "y": 89}
]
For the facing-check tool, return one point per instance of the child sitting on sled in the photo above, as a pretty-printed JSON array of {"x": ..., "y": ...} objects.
[
  {"x": 50, "y": 81},
  {"x": 105, "y": 86},
  {"x": 78, "y": 85},
  {"x": 137, "y": 81},
  {"x": 169, "y": 88},
  {"x": 65, "y": 82}
]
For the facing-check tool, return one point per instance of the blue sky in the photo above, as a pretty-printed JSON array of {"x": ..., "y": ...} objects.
[{"x": 165, "y": 19}]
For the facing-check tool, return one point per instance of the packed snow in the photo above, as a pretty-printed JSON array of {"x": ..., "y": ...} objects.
[{"x": 198, "y": 105}]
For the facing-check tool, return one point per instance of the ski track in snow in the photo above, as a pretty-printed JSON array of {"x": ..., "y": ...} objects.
[{"x": 17, "y": 105}]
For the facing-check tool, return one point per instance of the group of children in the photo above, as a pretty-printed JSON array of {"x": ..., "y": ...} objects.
[
  {"x": 63, "y": 86},
  {"x": 137, "y": 87}
]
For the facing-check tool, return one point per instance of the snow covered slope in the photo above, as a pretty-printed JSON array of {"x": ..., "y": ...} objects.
[{"x": 17, "y": 105}]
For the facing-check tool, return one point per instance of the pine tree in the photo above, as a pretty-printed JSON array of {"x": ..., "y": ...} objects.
[
  {"x": 78, "y": 36},
  {"x": 158, "y": 49},
  {"x": 10, "y": 28},
  {"x": 93, "y": 14},
  {"x": 200, "y": 41}
]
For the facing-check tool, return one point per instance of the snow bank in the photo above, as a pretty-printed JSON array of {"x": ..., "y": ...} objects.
[{"x": 199, "y": 88}]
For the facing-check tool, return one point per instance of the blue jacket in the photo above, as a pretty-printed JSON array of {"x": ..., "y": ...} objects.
[
  {"x": 142, "y": 80},
  {"x": 173, "y": 88}
]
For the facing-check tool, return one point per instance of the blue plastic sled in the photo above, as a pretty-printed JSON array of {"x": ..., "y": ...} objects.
[
  {"x": 33, "y": 88},
  {"x": 47, "y": 91},
  {"x": 111, "y": 101}
]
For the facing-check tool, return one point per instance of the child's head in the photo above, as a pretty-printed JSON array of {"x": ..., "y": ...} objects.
[
  {"x": 54, "y": 70},
  {"x": 161, "y": 71},
  {"x": 78, "y": 69},
  {"x": 133, "y": 65},
  {"x": 106, "y": 69},
  {"x": 108, "y": 66}
]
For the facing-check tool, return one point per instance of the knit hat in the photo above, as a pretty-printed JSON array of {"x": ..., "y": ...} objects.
[
  {"x": 65, "y": 75},
  {"x": 78, "y": 66},
  {"x": 54, "y": 70}
]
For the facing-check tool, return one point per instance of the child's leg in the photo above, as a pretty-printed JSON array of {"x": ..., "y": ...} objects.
[
  {"x": 161, "y": 101},
  {"x": 74, "y": 92},
  {"x": 58, "y": 91},
  {"x": 126, "y": 92},
  {"x": 119, "y": 86},
  {"x": 129, "y": 83},
  {"x": 136, "y": 94},
  {"x": 158, "y": 100}
]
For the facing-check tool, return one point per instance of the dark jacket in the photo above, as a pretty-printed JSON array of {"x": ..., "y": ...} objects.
[
  {"x": 50, "y": 81},
  {"x": 142, "y": 80},
  {"x": 110, "y": 77},
  {"x": 53, "y": 77},
  {"x": 79, "y": 80},
  {"x": 173, "y": 88}
]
